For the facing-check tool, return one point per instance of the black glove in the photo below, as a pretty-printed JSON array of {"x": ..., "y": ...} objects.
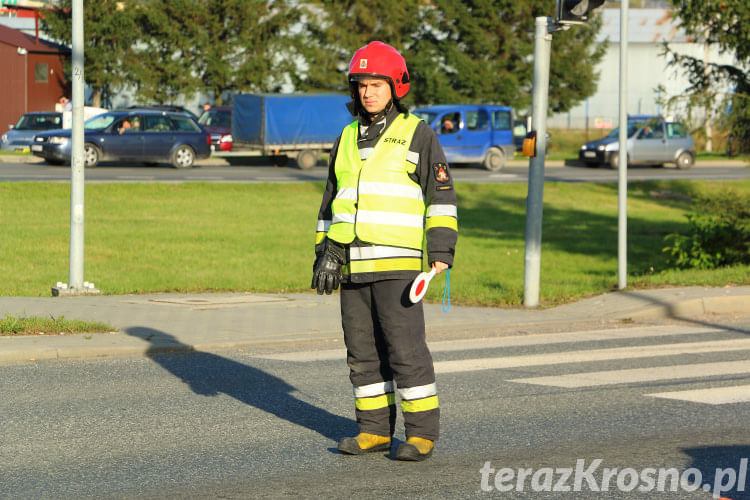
[{"x": 327, "y": 268}]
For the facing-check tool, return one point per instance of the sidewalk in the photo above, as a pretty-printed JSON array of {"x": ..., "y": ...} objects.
[{"x": 206, "y": 322}]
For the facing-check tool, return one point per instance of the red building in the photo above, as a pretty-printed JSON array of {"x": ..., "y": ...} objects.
[{"x": 32, "y": 75}]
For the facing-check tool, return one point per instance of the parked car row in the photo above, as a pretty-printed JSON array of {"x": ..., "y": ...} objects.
[{"x": 468, "y": 133}]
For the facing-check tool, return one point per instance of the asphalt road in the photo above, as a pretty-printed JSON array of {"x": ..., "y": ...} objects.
[
  {"x": 608, "y": 414},
  {"x": 258, "y": 169}
]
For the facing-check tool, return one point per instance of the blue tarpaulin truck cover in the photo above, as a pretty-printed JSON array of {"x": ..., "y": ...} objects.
[{"x": 289, "y": 119}]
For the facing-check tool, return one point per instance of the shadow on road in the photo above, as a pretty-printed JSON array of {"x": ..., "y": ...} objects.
[
  {"x": 724, "y": 469},
  {"x": 673, "y": 313},
  {"x": 209, "y": 375}
]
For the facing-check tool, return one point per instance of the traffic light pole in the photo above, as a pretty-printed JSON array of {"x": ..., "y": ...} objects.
[{"x": 533, "y": 252}]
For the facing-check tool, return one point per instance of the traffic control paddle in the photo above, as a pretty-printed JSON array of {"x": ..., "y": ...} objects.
[{"x": 419, "y": 286}]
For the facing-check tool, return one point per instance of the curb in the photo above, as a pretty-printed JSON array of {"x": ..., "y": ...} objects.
[
  {"x": 692, "y": 308},
  {"x": 129, "y": 346}
]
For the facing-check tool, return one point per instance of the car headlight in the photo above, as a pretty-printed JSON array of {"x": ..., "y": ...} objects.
[
  {"x": 58, "y": 140},
  {"x": 583, "y": 148},
  {"x": 601, "y": 147},
  {"x": 5, "y": 138}
]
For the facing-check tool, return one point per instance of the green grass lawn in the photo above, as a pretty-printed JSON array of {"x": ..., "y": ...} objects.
[
  {"x": 196, "y": 237},
  {"x": 11, "y": 325}
]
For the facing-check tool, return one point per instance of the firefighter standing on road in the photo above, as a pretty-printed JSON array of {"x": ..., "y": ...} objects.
[{"x": 389, "y": 188}]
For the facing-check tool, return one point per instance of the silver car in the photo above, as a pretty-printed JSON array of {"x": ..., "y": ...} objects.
[
  {"x": 21, "y": 135},
  {"x": 651, "y": 141}
]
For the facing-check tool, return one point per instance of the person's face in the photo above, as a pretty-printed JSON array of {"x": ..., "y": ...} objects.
[{"x": 374, "y": 94}]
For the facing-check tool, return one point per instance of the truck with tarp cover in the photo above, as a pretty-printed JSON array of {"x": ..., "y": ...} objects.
[{"x": 283, "y": 126}]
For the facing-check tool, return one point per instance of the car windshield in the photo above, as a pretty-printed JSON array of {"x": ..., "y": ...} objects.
[
  {"x": 633, "y": 127},
  {"x": 216, "y": 118},
  {"x": 99, "y": 122},
  {"x": 425, "y": 115},
  {"x": 38, "y": 122}
]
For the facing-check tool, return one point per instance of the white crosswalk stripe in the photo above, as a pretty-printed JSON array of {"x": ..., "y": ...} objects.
[
  {"x": 510, "y": 341},
  {"x": 712, "y": 396},
  {"x": 565, "y": 357},
  {"x": 581, "y": 350},
  {"x": 611, "y": 377}
]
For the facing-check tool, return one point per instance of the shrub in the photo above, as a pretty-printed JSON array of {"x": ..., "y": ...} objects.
[{"x": 719, "y": 233}]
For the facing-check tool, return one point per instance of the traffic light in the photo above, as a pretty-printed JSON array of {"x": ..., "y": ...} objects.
[{"x": 575, "y": 11}]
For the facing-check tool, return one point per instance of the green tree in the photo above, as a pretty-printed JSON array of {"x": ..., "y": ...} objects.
[
  {"x": 217, "y": 46},
  {"x": 722, "y": 23},
  {"x": 470, "y": 51},
  {"x": 109, "y": 35}
]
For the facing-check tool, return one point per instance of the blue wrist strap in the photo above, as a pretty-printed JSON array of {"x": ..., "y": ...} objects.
[{"x": 447, "y": 291}]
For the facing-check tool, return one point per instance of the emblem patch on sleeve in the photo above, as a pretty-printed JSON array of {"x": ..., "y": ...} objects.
[{"x": 441, "y": 172}]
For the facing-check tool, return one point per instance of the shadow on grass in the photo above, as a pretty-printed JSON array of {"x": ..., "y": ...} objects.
[{"x": 209, "y": 375}]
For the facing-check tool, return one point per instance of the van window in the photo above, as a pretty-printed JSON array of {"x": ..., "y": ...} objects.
[
  {"x": 675, "y": 130},
  {"x": 652, "y": 129},
  {"x": 426, "y": 116},
  {"x": 449, "y": 123},
  {"x": 477, "y": 120},
  {"x": 501, "y": 120}
]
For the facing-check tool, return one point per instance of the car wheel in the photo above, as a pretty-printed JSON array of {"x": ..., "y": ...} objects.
[
  {"x": 685, "y": 160},
  {"x": 494, "y": 160},
  {"x": 183, "y": 157},
  {"x": 307, "y": 159},
  {"x": 91, "y": 155},
  {"x": 614, "y": 161}
]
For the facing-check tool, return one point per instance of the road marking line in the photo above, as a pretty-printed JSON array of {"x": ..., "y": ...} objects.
[
  {"x": 712, "y": 396},
  {"x": 612, "y": 377},
  {"x": 583, "y": 356},
  {"x": 511, "y": 341}
]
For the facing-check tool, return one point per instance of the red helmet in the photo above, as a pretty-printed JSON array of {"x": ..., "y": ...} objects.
[{"x": 383, "y": 61}]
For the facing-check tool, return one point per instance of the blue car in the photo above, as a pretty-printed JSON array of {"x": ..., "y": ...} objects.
[
  {"x": 19, "y": 137},
  {"x": 472, "y": 133},
  {"x": 147, "y": 136}
]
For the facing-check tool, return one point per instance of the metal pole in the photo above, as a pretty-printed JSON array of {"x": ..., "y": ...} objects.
[
  {"x": 76, "y": 163},
  {"x": 76, "y": 285},
  {"x": 622, "y": 177},
  {"x": 542, "y": 48}
]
